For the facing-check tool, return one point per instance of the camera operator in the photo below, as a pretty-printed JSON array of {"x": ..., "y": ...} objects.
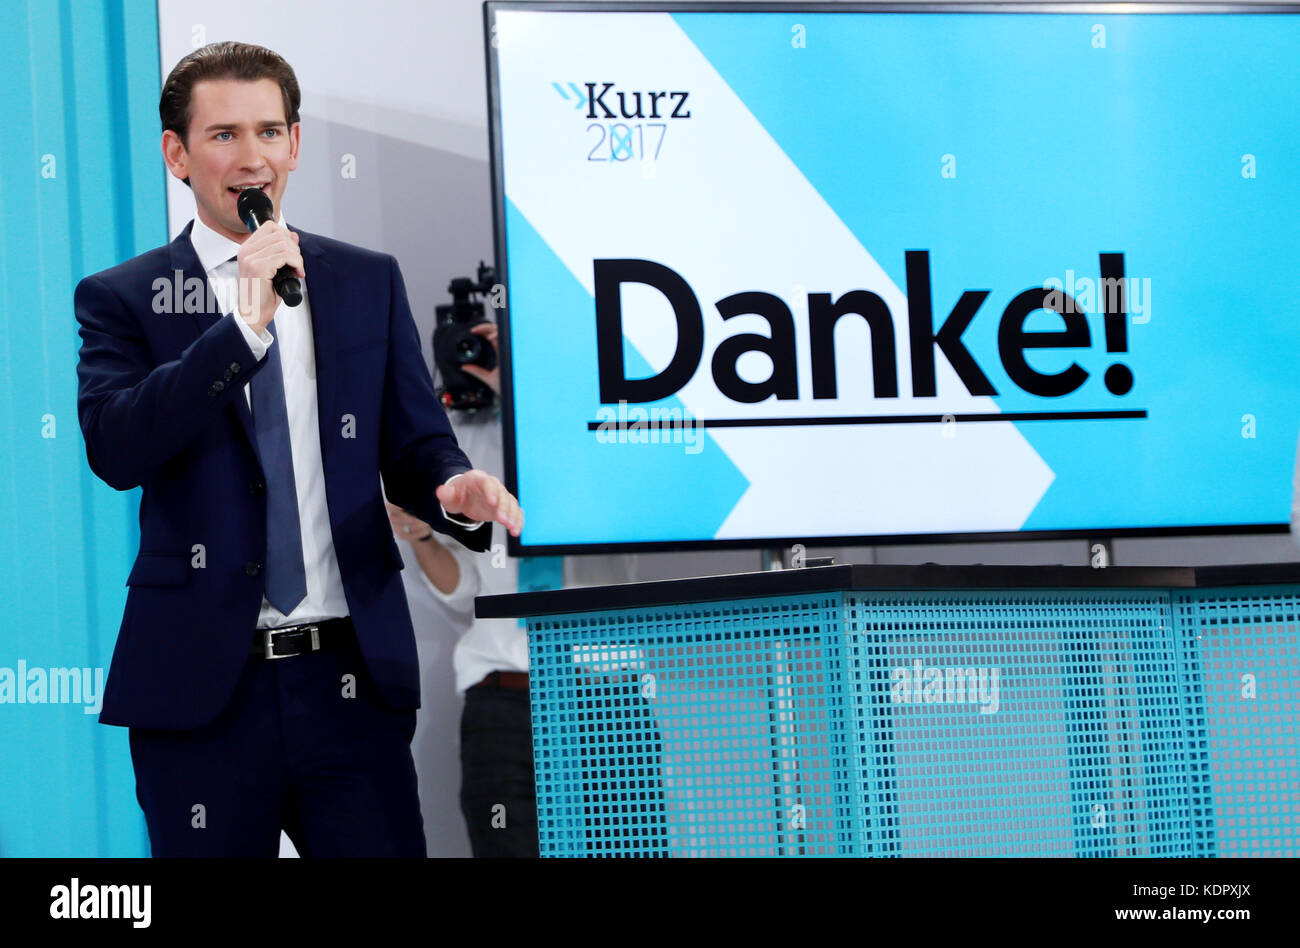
[{"x": 497, "y": 796}]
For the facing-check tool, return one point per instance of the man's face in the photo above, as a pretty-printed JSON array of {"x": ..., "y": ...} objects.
[{"x": 237, "y": 136}]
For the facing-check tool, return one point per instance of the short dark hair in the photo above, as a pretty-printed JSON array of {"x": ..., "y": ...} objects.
[{"x": 226, "y": 60}]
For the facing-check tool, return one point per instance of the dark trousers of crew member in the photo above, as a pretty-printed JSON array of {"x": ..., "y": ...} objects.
[{"x": 498, "y": 795}]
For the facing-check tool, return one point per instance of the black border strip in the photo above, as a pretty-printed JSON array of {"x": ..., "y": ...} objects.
[{"x": 930, "y": 576}]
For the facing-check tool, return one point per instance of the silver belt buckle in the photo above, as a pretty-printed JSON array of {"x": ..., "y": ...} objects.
[{"x": 269, "y": 650}]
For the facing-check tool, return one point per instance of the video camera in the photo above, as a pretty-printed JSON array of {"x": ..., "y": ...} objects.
[{"x": 455, "y": 346}]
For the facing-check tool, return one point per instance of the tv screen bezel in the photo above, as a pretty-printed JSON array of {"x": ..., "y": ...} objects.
[{"x": 515, "y": 546}]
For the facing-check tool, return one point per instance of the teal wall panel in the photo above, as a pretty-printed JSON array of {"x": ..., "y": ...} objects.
[{"x": 81, "y": 189}]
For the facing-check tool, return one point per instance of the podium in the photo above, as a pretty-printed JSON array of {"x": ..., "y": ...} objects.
[{"x": 919, "y": 711}]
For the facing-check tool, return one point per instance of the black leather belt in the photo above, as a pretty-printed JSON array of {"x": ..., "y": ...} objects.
[
  {"x": 507, "y": 680},
  {"x": 291, "y": 640}
]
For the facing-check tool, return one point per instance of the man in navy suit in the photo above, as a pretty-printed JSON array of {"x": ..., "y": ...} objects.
[{"x": 266, "y": 665}]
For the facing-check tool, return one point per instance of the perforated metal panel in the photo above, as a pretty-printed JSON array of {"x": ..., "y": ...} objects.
[
  {"x": 692, "y": 730},
  {"x": 915, "y": 723},
  {"x": 1243, "y": 655},
  {"x": 1020, "y": 723}
]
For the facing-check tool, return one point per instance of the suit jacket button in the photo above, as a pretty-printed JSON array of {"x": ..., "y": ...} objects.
[
  {"x": 252, "y": 569},
  {"x": 256, "y": 488},
  {"x": 216, "y": 387},
  {"x": 234, "y": 368},
  {"x": 228, "y": 376}
]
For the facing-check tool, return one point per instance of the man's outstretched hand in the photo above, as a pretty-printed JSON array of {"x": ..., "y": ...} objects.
[{"x": 477, "y": 495}]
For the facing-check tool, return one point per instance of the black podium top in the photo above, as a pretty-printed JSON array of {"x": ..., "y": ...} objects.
[{"x": 859, "y": 576}]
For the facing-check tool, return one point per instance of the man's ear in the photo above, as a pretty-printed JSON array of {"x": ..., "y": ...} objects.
[
  {"x": 295, "y": 140},
  {"x": 174, "y": 153}
]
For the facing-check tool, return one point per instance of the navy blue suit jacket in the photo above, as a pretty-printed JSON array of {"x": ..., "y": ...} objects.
[{"x": 161, "y": 404}]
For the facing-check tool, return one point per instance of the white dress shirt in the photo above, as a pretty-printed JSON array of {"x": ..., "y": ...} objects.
[{"x": 293, "y": 334}]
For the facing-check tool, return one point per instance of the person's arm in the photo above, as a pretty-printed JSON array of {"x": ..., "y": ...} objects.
[
  {"x": 135, "y": 415},
  {"x": 448, "y": 571},
  {"x": 438, "y": 562},
  {"x": 418, "y": 450}
]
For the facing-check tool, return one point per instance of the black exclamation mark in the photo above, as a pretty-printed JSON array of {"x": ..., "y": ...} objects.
[{"x": 1114, "y": 301}]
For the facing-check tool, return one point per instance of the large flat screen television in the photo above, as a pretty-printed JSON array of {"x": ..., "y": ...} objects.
[{"x": 841, "y": 273}]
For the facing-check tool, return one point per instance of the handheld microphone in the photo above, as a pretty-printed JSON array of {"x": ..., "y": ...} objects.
[{"x": 255, "y": 209}]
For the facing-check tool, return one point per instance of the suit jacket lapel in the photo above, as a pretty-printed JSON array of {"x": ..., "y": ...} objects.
[
  {"x": 323, "y": 298},
  {"x": 186, "y": 267}
]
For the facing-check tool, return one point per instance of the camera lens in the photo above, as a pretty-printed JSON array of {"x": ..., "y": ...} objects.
[{"x": 469, "y": 348}]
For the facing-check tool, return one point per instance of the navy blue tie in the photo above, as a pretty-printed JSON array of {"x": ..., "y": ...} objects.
[{"x": 286, "y": 576}]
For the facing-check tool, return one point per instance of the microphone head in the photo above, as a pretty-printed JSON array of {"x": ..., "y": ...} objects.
[{"x": 254, "y": 208}]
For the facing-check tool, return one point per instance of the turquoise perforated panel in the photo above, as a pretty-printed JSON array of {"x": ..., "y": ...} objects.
[
  {"x": 919, "y": 723},
  {"x": 1019, "y": 723},
  {"x": 1241, "y": 650},
  {"x": 692, "y": 730}
]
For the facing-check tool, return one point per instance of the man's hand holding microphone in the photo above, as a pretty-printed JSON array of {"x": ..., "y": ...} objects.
[{"x": 268, "y": 262}]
